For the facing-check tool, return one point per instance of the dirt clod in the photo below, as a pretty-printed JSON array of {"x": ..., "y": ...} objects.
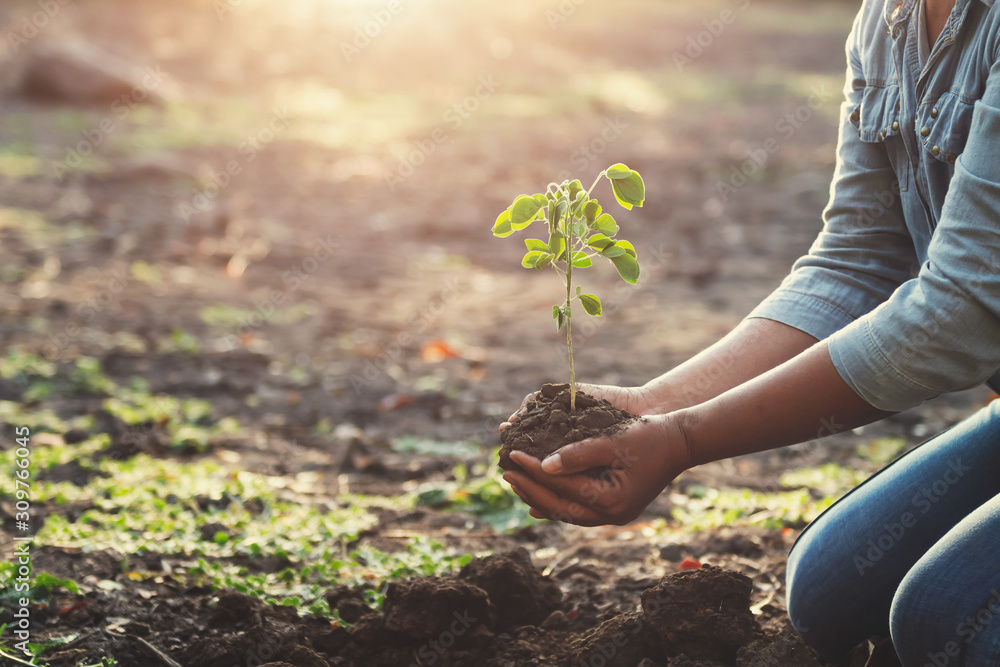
[
  {"x": 519, "y": 593},
  {"x": 617, "y": 642},
  {"x": 703, "y": 613},
  {"x": 431, "y": 606},
  {"x": 786, "y": 650},
  {"x": 548, "y": 424}
]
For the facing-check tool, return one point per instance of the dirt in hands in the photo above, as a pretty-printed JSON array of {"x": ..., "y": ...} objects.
[{"x": 548, "y": 423}]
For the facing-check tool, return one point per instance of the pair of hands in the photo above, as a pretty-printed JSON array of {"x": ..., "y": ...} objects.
[{"x": 638, "y": 463}]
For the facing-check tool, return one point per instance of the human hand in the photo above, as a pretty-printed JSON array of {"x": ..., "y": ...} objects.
[
  {"x": 637, "y": 463},
  {"x": 635, "y": 400}
]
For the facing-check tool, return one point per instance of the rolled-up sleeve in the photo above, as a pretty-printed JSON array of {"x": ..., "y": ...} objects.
[
  {"x": 864, "y": 251},
  {"x": 940, "y": 331}
]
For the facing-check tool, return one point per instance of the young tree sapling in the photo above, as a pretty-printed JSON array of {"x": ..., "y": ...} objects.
[{"x": 578, "y": 231}]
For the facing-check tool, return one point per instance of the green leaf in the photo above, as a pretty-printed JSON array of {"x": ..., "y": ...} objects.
[
  {"x": 580, "y": 228},
  {"x": 536, "y": 259},
  {"x": 574, "y": 188},
  {"x": 555, "y": 312},
  {"x": 628, "y": 267},
  {"x": 599, "y": 241},
  {"x": 560, "y": 319},
  {"x": 501, "y": 227},
  {"x": 629, "y": 191},
  {"x": 591, "y": 304},
  {"x": 591, "y": 210},
  {"x": 629, "y": 248},
  {"x": 606, "y": 224},
  {"x": 581, "y": 260},
  {"x": 618, "y": 171},
  {"x": 557, "y": 244},
  {"x": 536, "y": 244},
  {"x": 613, "y": 251},
  {"x": 523, "y": 212},
  {"x": 45, "y": 582},
  {"x": 541, "y": 199}
]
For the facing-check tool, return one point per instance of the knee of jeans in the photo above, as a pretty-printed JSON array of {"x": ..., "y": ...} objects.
[
  {"x": 804, "y": 594},
  {"x": 921, "y": 633}
]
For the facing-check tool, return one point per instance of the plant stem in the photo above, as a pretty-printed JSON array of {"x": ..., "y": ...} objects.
[
  {"x": 16, "y": 659},
  {"x": 569, "y": 314}
]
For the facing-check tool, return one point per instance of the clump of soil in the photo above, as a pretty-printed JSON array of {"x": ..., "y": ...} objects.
[
  {"x": 696, "y": 618},
  {"x": 520, "y": 594},
  {"x": 785, "y": 650},
  {"x": 427, "y": 607},
  {"x": 547, "y": 423},
  {"x": 703, "y": 613}
]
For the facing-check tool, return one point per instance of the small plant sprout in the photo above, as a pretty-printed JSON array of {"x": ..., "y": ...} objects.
[{"x": 579, "y": 231}]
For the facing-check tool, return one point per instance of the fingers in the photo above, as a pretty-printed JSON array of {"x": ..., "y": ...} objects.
[
  {"x": 580, "y": 456},
  {"x": 578, "y": 488},
  {"x": 548, "y": 505},
  {"x": 517, "y": 413},
  {"x": 601, "y": 498}
]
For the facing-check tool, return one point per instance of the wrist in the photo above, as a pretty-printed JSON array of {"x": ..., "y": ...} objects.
[
  {"x": 679, "y": 431},
  {"x": 658, "y": 398}
]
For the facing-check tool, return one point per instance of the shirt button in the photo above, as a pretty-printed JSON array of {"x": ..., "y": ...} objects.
[
  {"x": 856, "y": 116},
  {"x": 934, "y": 113},
  {"x": 935, "y": 151},
  {"x": 924, "y": 131},
  {"x": 951, "y": 159},
  {"x": 881, "y": 135},
  {"x": 895, "y": 125}
]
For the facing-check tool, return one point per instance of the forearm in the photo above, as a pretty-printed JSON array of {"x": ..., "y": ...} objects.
[
  {"x": 752, "y": 348},
  {"x": 802, "y": 399}
]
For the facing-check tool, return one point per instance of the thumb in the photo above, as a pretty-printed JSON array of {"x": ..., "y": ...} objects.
[{"x": 579, "y": 456}]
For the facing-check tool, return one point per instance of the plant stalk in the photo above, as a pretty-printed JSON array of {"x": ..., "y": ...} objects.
[{"x": 569, "y": 313}]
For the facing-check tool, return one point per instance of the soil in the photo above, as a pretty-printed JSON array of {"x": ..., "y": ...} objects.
[
  {"x": 548, "y": 424},
  {"x": 696, "y": 618},
  {"x": 417, "y": 323}
]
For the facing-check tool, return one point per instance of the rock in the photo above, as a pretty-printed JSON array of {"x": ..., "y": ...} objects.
[{"x": 74, "y": 72}]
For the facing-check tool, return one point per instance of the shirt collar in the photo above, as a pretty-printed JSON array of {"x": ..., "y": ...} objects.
[{"x": 905, "y": 9}]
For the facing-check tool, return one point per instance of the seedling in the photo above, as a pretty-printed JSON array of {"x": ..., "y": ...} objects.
[{"x": 579, "y": 231}]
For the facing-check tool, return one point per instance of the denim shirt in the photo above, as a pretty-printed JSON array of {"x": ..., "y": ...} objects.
[{"x": 905, "y": 277}]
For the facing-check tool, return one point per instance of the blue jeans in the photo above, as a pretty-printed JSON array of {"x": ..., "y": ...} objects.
[{"x": 912, "y": 553}]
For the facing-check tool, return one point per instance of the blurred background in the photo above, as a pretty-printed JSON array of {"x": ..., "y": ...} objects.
[{"x": 254, "y": 238}]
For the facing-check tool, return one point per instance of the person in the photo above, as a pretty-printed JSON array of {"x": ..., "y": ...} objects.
[{"x": 897, "y": 301}]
